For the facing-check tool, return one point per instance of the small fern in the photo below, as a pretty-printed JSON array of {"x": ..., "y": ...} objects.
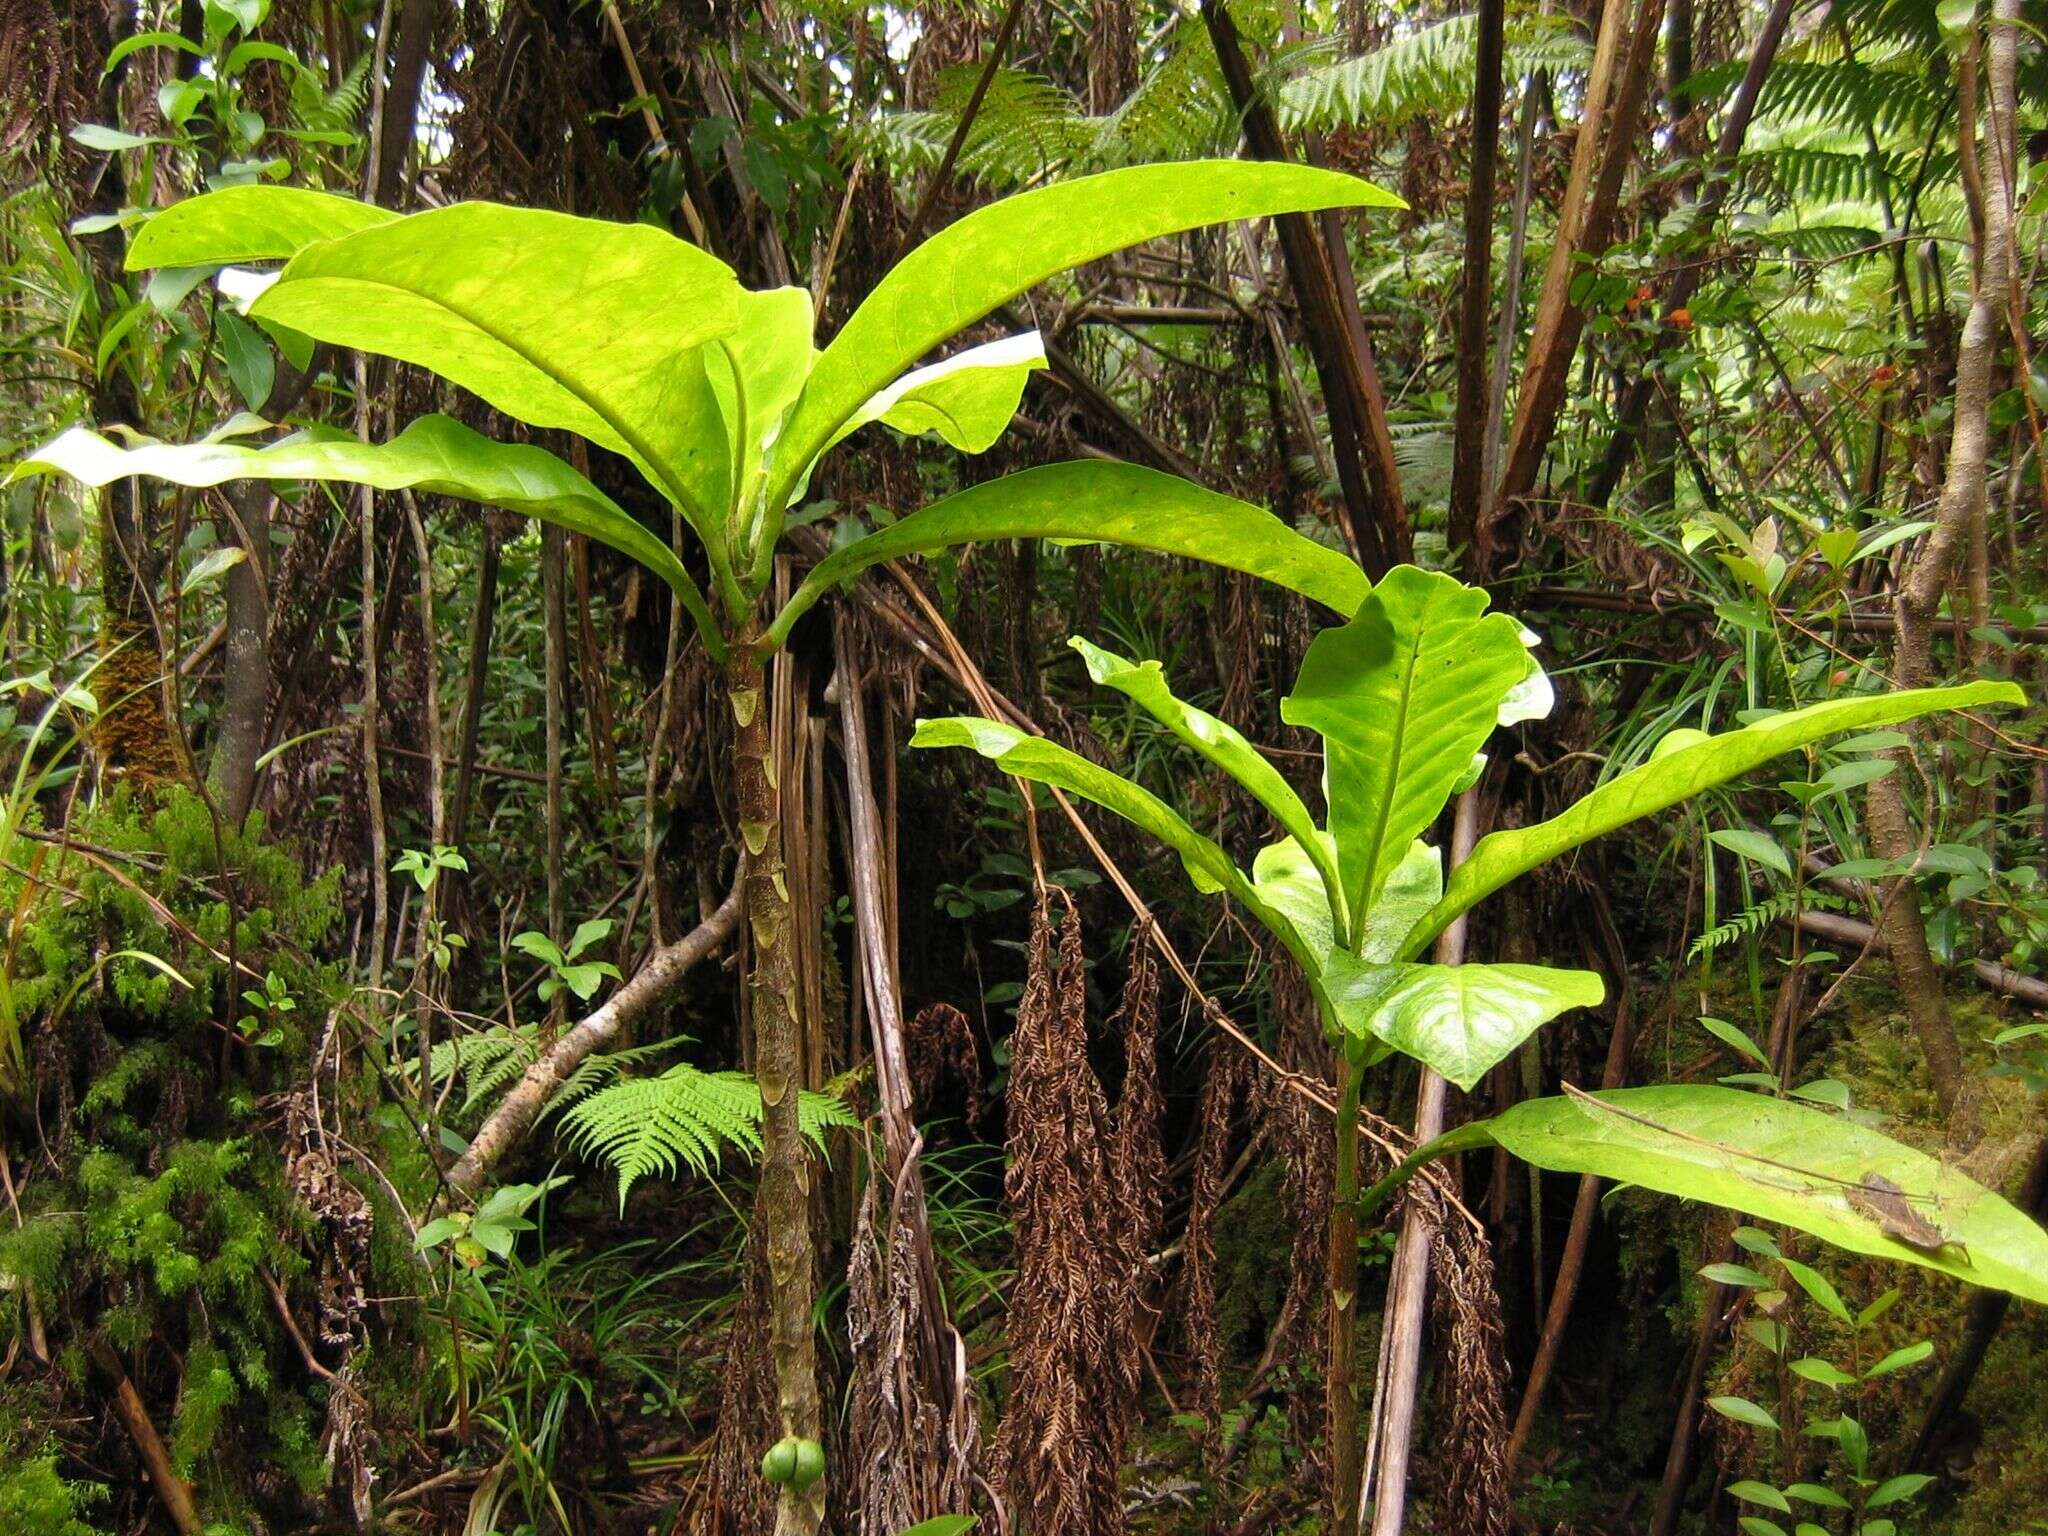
[
  {"x": 1758, "y": 916},
  {"x": 685, "y": 1118}
]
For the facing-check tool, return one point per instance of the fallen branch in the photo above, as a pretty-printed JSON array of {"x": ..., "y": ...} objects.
[
  {"x": 156, "y": 1461},
  {"x": 517, "y": 1112},
  {"x": 2030, "y": 990}
]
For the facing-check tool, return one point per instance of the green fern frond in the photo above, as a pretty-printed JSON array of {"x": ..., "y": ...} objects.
[
  {"x": 683, "y": 1119},
  {"x": 1426, "y": 70},
  {"x": 487, "y": 1060},
  {"x": 1758, "y": 916}
]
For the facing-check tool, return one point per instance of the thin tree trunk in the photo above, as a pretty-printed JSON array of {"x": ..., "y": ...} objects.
[
  {"x": 1565, "y": 1286},
  {"x": 782, "y": 1201},
  {"x": 1622, "y": 72},
  {"x": 1468, "y": 432},
  {"x": 1319, "y": 267},
  {"x": 402, "y": 98},
  {"x": 171, "y": 1490},
  {"x": 1678, "y": 1458},
  {"x": 1918, "y": 601},
  {"x": 1408, "y": 1280},
  {"x": 245, "y": 693},
  {"x": 554, "y": 627},
  {"x": 475, "y": 678},
  {"x": 1681, "y": 280}
]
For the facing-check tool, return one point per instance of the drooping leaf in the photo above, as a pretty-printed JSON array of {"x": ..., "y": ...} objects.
[
  {"x": 1045, "y": 762},
  {"x": 968, "y": 399},
  {"x": 579, "y": 324},
  {"x": 998, "y": 251},
  {"x": 1402, "y": 696},
  {"x": 1144, "y": 683},
  {"x": 1676, "y": 775},
  {"x": 254, "y": 223},
  {"x": 1109, "y": 503},
  {"x": 1781, "y": 1162},
  {"x": 1458, "y": 1019},
  {"x": 435, "y": 453}
]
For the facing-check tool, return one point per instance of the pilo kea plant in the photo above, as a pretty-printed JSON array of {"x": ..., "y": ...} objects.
[
  {"x": 1404, "y": 697},
  {"x": 722, "y": 400}
]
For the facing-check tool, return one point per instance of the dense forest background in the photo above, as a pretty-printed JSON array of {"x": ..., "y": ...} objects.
[{"x": 382, "y": 1118}]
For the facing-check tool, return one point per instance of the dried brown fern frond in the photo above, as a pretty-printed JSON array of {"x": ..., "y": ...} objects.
[
  {"x": 1228, "y": 1080},
  {"x": 939, "y": 1042},
  {"x": 1075, "y": 1180},
  {"x": 1471, "y": 1491},
  {"x": 913, "y": 1457}
]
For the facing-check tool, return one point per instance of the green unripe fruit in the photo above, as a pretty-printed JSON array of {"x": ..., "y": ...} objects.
[
  {"x": 810, "y": 1464},
  {"x": 779, "y": 1465}
]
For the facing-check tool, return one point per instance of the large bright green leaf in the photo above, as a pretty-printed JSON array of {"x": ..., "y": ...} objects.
[
  {"x": 1144, "y": 683},
  {"x": 1458, "y": 1019},
  {"x": 1780, "y": 1162},
  {"x": 1045, "y": 762},
  {"x": 435, "y": 454},
  {"x": 1109, "y": 503},
  {"x": 999, "y": 251},
  {"x": 1669, "y": 777},
  {"x": 968, "y": 399},
  {"x": 257, "y": 223},
  {"x": 563, "y": 322},
  {"x": 1402, "y": 696}
]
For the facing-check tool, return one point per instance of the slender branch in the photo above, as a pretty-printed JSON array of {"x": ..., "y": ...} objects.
[
  {"x": 960, "y": 129},
  {"x": 519, "y": 1109}
]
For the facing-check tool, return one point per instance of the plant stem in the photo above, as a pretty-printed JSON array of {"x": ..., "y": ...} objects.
[
  {"x": 782, "y": 1203},
  {"x": 1341, "y": 1381}
]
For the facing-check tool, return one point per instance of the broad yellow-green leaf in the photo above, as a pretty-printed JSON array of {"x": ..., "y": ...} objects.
[
  {"x": 1458, "y": 1019},
  {"x": 1778, "y": 1161},
  {"x": 1144, "y": 683},
  {"x": 999, "y": 251},
  {"x": 1110, "y": 504},
  {"x": 757, "y": 375},
  {"x": 1045, "y": 762},
  {"x": 1699, "y": 763},
  {"x": 968, "y": 399},
  {"x": 435, "y": 454},
  {"x": 256, "y": 223},
  {"x": 579, "y": 324},
  {"x": 1402, "y": 696},
  {"x": 1288, "y": 880},
  {"x": 1411, "y": 890}
]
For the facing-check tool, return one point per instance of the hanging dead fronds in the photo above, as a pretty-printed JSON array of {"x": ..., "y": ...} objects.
[
  {"x": 1228, "y": 1080},
  {"x": 735, "y": 1499},
  {"x": 939, "y": 1043},
  {"x": 1080, "y": 1189},
  {"x": 915, "y": 1457},
  {"x": 1470, "y": 1445}
]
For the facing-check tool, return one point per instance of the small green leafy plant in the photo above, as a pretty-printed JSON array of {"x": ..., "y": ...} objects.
[
  {"x": 1857, "y": 1495},
  {"x": 568, "y": 970}
]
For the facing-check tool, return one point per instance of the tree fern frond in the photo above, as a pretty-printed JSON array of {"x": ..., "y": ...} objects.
[
  {"x": 684, "y": 1119},
  {"x": 1426, "y": 70},
  {"x": 487, "y": 1060}
]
